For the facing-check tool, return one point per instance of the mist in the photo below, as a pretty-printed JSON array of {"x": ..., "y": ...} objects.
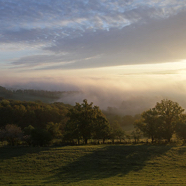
[
  {"x": 126, "y": 94},
  {"x": 129, "y": 96}
]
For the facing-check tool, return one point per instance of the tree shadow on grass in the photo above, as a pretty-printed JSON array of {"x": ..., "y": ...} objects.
[
  {"x": 182, "y": 150},
  {"x": 107, "y": 162},
  {"x": 8, "y": 152}
]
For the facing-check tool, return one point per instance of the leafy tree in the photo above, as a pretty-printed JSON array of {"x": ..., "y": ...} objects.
[
  {"x": 37, "y": 114},
  {"x": 5, "y": 102},
  {"x": 169, "y": 113},
  {"x": 160, "y": 121},
  {"x": 149, "y": 124},
  {"x": 40, "y": 137},
  {"x": 83, "y": 119},
  {"x": 136, "y": 134},
  {"x": 128, "y": 136},
  {"x": 18, "y": 112},
  {"x": 13, "y": 134},
  {"x": 101, "y": 128},
  {"x": 54, "y": 129},
  {"x": 116, "y": 131},
  {"x": 27, "y": 134},
  {"x": 28, "y": 130}
]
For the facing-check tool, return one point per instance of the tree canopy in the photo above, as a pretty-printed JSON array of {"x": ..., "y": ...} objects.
[
  {"x": 86, "y": 121},
  {"x": 160, "y": 121}
]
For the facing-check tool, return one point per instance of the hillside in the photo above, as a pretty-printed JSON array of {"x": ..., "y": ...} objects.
[
  {"x": 33, "y": 95},
  {"x": 93, "y": 165}
]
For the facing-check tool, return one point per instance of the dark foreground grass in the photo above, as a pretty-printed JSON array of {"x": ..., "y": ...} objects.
[{"x": 93, "y": 165}]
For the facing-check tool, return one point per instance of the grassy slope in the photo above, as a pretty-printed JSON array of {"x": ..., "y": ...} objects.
[{"x": 93, "y": 165}]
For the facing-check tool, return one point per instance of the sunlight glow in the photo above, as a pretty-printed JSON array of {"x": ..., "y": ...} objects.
[{"x": 162, "y": 68}]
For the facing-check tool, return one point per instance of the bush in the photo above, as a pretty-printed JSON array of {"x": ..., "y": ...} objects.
[
  {"x": 13, "y": 134},
  {"x": 40, "y": 137}
]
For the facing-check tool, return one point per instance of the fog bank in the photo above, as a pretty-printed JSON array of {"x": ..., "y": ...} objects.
[{"x": 128, "y": 94}]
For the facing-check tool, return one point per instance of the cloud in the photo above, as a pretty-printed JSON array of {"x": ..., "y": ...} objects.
[
  {"x": 155, "y": 41},
  {"x": 54, "y": 19},
  {"x": 69, "y": 35},
  {"x": 55, "y": 44}
]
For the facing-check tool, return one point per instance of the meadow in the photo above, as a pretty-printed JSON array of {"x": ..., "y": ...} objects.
[{"x": 93, "y": 165}]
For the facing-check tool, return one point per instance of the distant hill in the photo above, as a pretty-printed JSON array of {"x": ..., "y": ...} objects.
[
  {"x": 32, "y": 95},
  {"x": 108, "y": 102}
]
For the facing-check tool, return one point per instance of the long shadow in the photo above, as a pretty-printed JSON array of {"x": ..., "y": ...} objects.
[
  {"x": 182, "y": 150},
  {"x": 107, "y": 162},
  {"x": 8, "y": 152}
]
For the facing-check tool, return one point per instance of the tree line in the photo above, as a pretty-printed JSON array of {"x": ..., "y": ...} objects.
[
  {"x": 11, "y": 94},
  {"x": 37, "y": 123}
]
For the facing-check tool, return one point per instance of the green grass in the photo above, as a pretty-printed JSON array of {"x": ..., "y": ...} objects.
[{"x": 93, "y": 165}]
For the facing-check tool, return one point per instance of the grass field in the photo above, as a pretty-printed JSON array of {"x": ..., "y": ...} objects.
[{"x": 93, "y": 165}]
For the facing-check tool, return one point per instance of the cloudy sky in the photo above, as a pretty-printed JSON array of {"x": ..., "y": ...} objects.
[{"x": 72, "y": 44}]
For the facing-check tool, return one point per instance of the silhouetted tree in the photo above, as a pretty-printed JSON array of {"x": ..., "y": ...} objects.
[
  {"x": 136, "y": 134},
  {"x": 116, "y": 131},
  {"x": 28, "y": 130},
  {"x": 13, "y": 134},
  {"x": 54, "y": 129},
  {"x": 37, "y": 114},
  {"x": 40, "y": 137},
  {"x": 83, "y": 120},
  {"x": 169, "y": 113},
  {"x": 160, "y": 121},
  {"x": 101, "y": 128},
  {"x": 27, "y": 134},
  {"x": 149, "y": 124}
]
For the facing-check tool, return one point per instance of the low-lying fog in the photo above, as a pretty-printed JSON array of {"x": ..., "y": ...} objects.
[{"x": 127, "y": 95}]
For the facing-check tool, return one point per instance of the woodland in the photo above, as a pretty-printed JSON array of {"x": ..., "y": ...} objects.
[{"x": 35, "y": 123}]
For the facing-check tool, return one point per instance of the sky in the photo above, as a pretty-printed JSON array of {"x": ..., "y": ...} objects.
[{"x": 114, "y": 47}]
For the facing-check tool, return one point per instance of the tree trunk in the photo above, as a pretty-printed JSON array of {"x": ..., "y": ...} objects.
[
  {"x": 103, "y": 141},
  {"x": 169, "y": 139},
  {"x": 86, "y": 141},
  {"x": 152, "y": 139}
]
